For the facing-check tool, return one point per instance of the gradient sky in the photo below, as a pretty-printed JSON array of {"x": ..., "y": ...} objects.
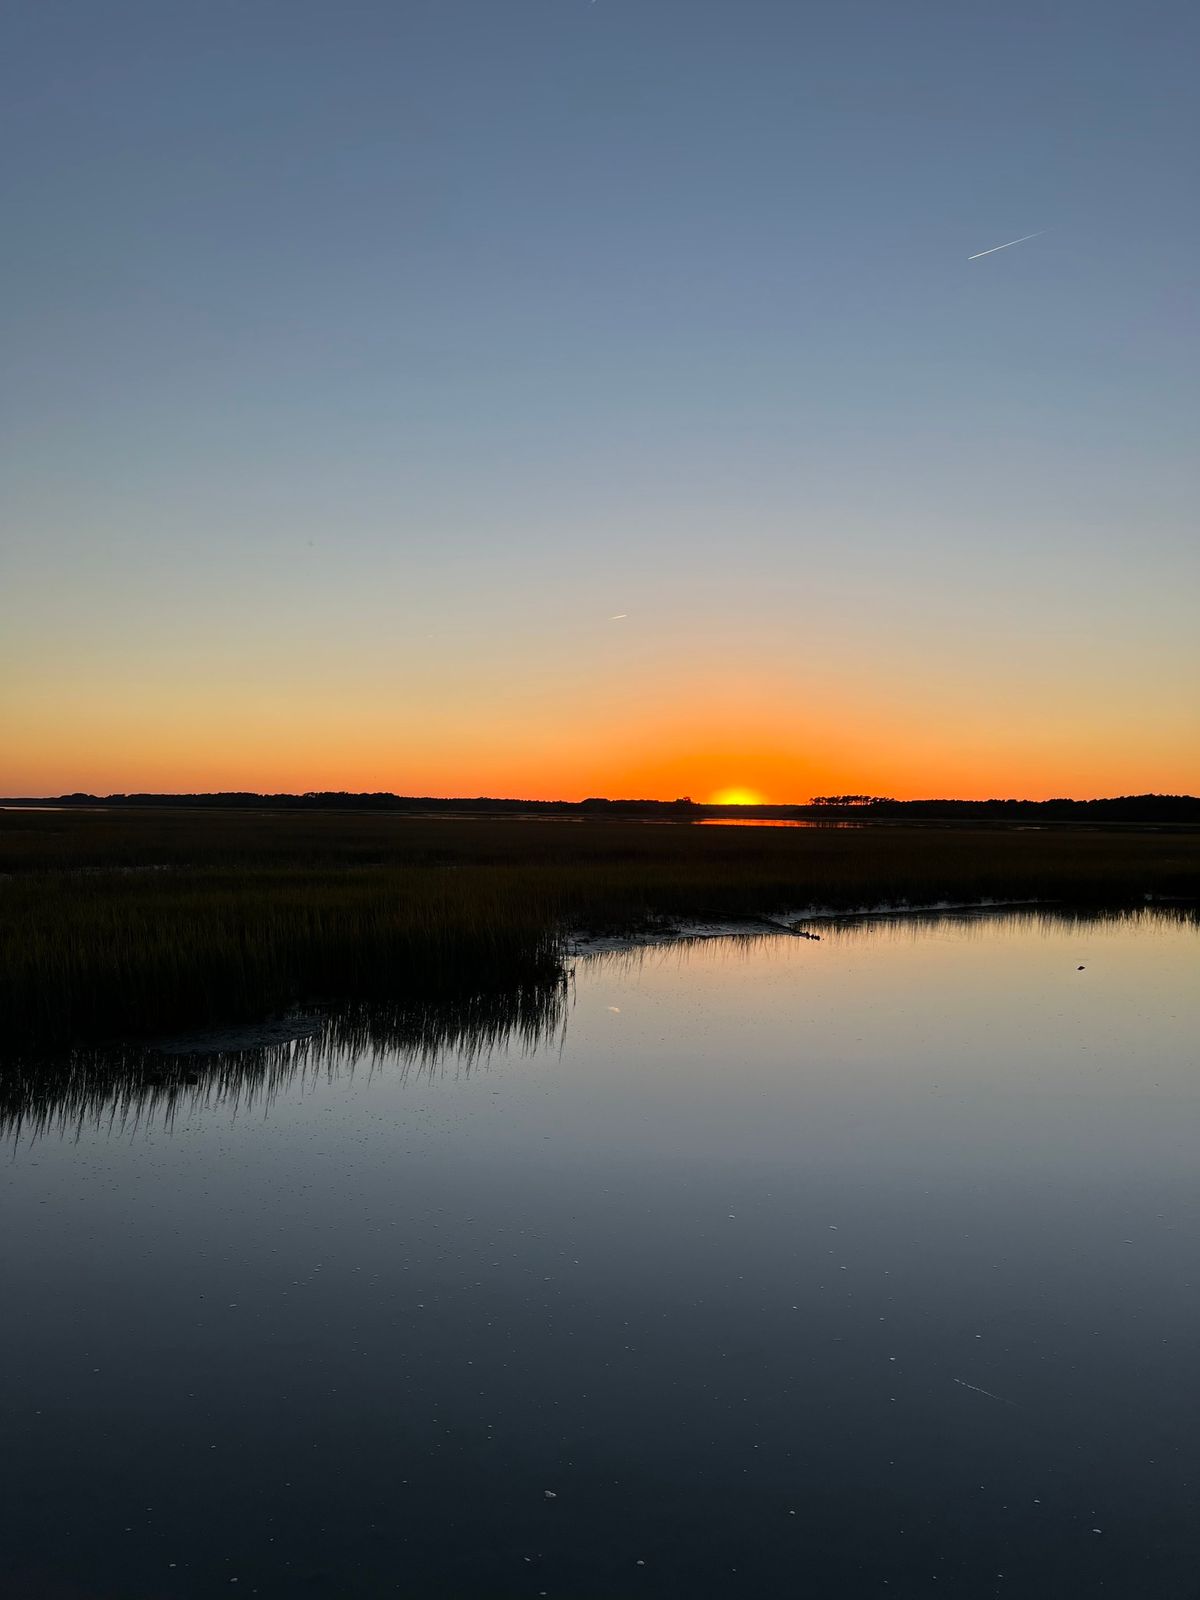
[{"x": 363, "y": 359}]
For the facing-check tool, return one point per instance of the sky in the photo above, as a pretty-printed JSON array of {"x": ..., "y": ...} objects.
[{"x": 364, "y": 360}]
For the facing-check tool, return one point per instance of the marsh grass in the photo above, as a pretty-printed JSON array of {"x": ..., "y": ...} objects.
[{"x": 124, "y": 923}]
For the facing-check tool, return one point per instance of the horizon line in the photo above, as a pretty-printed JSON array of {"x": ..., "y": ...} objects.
[{"x": 821, "y": 802}]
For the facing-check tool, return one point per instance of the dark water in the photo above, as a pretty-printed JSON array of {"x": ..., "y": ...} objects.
[{"x": 866, "y": 1267}]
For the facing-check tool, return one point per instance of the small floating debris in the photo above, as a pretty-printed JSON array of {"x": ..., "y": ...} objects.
[
  {"x": 550, "y": 1494},
  {"x": 974, "y": 1387}
]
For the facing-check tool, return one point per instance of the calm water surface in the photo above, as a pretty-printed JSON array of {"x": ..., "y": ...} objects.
[{"x": 860, "y": 1267}]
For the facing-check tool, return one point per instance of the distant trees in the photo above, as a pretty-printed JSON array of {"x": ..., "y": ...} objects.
[
  {"x": 1178, "y": 810},
  {"x": 849, "y": 800}
]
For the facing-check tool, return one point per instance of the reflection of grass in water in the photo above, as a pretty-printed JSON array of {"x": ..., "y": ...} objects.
[
  {"x": 739, "y": 946},
  {"x": 979, "y": 922},
  {"x": 120, "y": 923},
  {"x": 132, "y": 1087}
]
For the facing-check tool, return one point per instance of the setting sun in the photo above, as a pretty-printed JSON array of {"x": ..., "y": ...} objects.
[{"x": 737, "y": 797}]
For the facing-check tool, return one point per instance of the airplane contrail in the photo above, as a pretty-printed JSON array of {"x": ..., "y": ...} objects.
[{"x": 1009, "y": 245}]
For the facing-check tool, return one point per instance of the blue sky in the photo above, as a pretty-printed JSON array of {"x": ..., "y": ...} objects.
[{"x": 390, "y": 346}]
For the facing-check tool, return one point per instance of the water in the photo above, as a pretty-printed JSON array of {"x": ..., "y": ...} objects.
[
  {"x": 774, "y": 822},
  {"x": 863, "y": 1267}
]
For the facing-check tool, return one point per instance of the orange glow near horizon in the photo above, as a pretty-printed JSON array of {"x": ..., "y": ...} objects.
[
  {"x": 102, "y": 749},
  {"x": 737, "y": 797},
  {"x": 644, "y": 729}
]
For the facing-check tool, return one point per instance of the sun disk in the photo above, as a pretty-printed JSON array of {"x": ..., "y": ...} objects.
[{"x": 736, "y": 797}]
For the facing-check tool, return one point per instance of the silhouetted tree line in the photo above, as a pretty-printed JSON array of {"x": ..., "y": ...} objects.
[
  {"x": 343, "y": 800},
  {"x": 1121, "y": 808},
  {"x": 1149, "y": 808}
]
